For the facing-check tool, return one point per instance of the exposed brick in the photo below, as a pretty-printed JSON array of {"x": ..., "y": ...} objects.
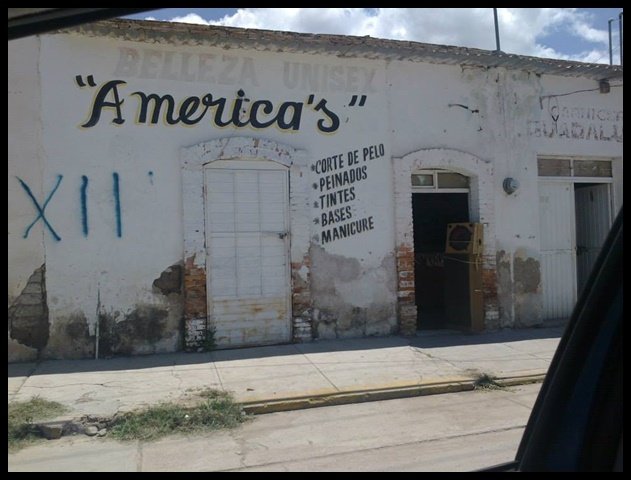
[
  {"x": 489, "y": 294},
  {"x": 405, "y": 289},
  {"x": 302, "y": 323},
  {"x": 407, "y": 318},
  {"x": 405, "y": 264},
  {"x": 195, "y": 303},
  {"x": 482, "y": 202}
]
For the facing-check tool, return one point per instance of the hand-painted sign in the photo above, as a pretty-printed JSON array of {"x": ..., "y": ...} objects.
[
  {"x": 336, "y": 192},
  {"x": 577, "y": 123},
  {"x": 243, "y": 112}
]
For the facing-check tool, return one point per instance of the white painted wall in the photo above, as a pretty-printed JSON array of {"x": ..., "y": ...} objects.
[
  {"x": 24, "y": 161},
  {"x": 408, "y": 107}
]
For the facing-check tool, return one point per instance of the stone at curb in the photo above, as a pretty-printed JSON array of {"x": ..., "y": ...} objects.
[
  {"x": 102, "y": 432},
  {"x": 91, "y": 430},
  {"x": 51, "y": 431}
]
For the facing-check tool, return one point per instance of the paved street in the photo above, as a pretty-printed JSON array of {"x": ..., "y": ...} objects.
[{"x": 448, "y": 432}]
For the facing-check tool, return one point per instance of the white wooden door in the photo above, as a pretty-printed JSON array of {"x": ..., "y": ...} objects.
[
  {"x": 593, "y": 221},
  {"x": 558, "y": 253},
  {"x": 247, "y": 248}
]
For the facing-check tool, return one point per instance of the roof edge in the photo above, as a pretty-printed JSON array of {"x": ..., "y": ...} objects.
[{"x": 341, "y": 46}]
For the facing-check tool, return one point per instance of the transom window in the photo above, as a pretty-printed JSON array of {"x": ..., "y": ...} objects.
[
  {"x": 443, "y": 180},
  {"x": 570, "y": 167}
]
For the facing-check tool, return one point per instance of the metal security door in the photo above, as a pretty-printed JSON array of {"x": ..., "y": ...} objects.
[
  {"x": 593, "y": 220},
  {"x": 558, "y": 253},
  {"x": 247, "y": 253}
]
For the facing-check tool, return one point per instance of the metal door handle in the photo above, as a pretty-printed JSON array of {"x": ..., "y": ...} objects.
[{"x": 282, "y": 235}]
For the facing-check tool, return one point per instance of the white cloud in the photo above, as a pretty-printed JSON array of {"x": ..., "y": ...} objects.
[
  {"x": 191, "y": 18},
  {"x": 522, "y": 30}
]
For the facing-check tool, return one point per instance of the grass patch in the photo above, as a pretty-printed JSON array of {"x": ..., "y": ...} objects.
[
  {"x": 216, "y": 410},
  {"x": 21, "y": 430},
  {"x": 486, "y": 382}
]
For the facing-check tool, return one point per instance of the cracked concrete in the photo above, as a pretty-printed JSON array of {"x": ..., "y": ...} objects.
[
  {"x": 314, "y": 374},
  {"x": 460, "y": 431}
]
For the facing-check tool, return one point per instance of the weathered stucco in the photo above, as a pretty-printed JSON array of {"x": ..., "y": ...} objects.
[
  {"x": 170, "y": 281},
  {"x": 28, "y": 315},
  {"x": 70, "y": 337},
  {"x": 527, "y": 281},
  {"x": 146, "y": 329},
  {"x": 504, "y": 289},
  {"x": 25, "y": 162},
  {"x": 519, "y": 289},
  {"x": 106, "y": 185},
  {"x": 349, "y": 300}
]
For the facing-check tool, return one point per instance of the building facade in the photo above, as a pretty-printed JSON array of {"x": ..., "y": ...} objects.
[{"x": 177, "y": 187}]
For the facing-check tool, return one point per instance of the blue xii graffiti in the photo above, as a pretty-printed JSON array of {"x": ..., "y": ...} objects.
[
  {"x": 41, "y": 209},
  {"x": 84, "y": 205},
  {"x": 83, "y": 197},
  {"x": 117, "y": 201}
]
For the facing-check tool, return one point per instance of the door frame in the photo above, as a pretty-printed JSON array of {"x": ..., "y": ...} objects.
[
  {"x": 572, "y": 181},
  {"x": 572, "y": 249},
  {"x": 610, "y": 207},
  {"x": 194, "y": 293},
  {"x": 482, "y": 210},
  {"x": 436, "y": 190},
  {"x": 251, "y": 165}
]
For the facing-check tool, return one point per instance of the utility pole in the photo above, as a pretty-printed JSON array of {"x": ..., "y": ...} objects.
[
  {"x": 497, "y": 31},
  {"x": 620, "y": 26},
  {"x": 610, "y": 45},
  {"x": 620, "y": 35}
]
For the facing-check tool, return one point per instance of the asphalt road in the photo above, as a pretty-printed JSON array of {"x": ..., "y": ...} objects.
[{"x": 449, "y": 432}]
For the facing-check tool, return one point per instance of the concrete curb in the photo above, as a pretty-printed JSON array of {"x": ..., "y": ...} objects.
[
  {"x": 520, "y": 380},
  {"x": 65, "y": 425},
  {"x": 377, "y": 394}
]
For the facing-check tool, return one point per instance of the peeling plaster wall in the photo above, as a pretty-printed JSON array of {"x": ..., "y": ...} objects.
[
  {"x": 116, "y": 240},
  {"x": 526, "y": 114},
  {"x": 589, "y": 124},
  {"x": 499, "y": 115},
  {"x": 28, "y": 319},
  {"x": 25, "y": 161},
  {"x": 350, "y": 299},
  {"x": 118, "y": 207}
]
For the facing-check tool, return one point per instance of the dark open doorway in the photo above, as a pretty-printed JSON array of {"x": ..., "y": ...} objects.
[
  {"x": 432, "y": 212},
  {"x": 592, "y": 206}
]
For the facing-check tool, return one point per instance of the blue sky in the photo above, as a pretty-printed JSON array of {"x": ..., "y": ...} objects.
[{"x": 568, "y": 33}]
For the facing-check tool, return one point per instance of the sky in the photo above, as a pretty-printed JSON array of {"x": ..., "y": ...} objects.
[{"x": 566, "y": 33}]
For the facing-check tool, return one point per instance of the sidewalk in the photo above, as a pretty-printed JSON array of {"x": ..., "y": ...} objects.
[{"x": 286, "y": 377}]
